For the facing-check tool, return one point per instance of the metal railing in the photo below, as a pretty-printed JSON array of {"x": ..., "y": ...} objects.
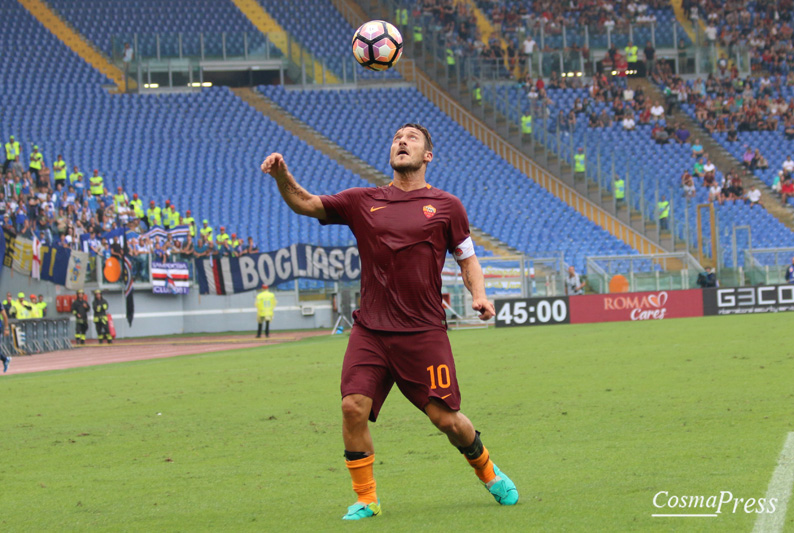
[
  {"x": 37, "y": 336},
  {"x": 767, "y": 266},
  {"x": 655, "y": 272}
]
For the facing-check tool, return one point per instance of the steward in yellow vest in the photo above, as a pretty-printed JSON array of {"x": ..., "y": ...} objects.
[
  {"x": 619, "y": 189},
  {"x": 663, "y": 206},
  {"x": 12, "y": 153},
  {"x": 631, "y": 52},
  {"x": 96, "y": 184},
  {"x": 120, "y": 200},
  {"x": 579, "y": 164},
  {"x": 137, "y": 206},
  {"x": 191, "y": 222},
  {"x": 36, "y": 163},
  {"x": 265, "y": 304},
  {"x": 75, "y": 175},
  {"x": 21, "y": 307},
  {"x": 166, "y": 214},
  {"x": 173, "y": 217},
  {"x": 526, "y": 123},
  {"x": 153, "y": 215},
  {"x": 59, "y": 172},
  {"x": 223, "y": 238},
  {"x": 206, "y": 231}
]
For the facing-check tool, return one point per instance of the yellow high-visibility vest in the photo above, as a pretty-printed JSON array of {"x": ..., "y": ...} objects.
[
  {"x": 36, "y": 160},
  {"x": 59, "y": 170},
  {"x": 153, "y": 216},
  {"x": 265, "y": 303},
  {"x": 206, "y": 233},
  {"x": 137, "y": 206},
  {"x": 526, "y": 124},
  {"x": 620, "y": 189},
  {"x": 97, "y": 184},
  {"x": 173, "y": 219},
  {"x": 12, "y": 151},
  {"x": 191, "y": 222},
  {"x": 578, "y": 163}
]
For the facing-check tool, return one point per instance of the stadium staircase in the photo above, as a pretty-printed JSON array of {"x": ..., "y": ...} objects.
[
  {"x": 721, "y": 158},
  {"x": 75, "y": 41},
  {"x": 456, "y": 103},
  {"x": 689, "y": 27},
  {"x": 484, "y": 25},
  {"x": 335, "y": 152},
  {"x": 683, "y": 18},
  {"x": 278, "y": 36}
]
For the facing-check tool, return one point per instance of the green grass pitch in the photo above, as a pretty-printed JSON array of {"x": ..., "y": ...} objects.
[{"x": 590, "y": 421}]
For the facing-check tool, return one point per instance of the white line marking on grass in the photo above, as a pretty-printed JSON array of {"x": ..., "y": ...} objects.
[
  {"x": 684, "y": 515},
  {"x": 780, "y": 489}
]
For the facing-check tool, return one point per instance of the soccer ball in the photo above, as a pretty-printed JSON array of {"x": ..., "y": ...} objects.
[{"x": 377, "y": 45}]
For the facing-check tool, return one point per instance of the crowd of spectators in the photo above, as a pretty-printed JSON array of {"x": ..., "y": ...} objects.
[
  {"x": 761, "y": 26},
  {"x": 511, "y": 15},
  {"x": 727, "y": 103},
  {"x": 66, "y": 209}
]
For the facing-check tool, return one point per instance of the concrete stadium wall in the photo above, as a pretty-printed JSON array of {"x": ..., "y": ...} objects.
[{"x": 157, "y": 314}]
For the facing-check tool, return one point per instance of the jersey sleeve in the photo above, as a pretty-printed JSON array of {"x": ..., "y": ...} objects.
[
  {"x": 339, "y": 207},
  {"x": 458, "y": 226}
]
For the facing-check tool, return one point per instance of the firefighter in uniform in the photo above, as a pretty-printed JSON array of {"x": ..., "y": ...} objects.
[
  {"x": 80, "y": 309},
  {"x": 100, "y": 307},
  {"x": 265, "y": 304}
]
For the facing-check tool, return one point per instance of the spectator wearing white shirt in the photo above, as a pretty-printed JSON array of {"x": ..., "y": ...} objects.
[
  {"x": 753, "y": 196},
  {"x": 709, "y": 166},
  {"x": 657, "y": 111},
  {"x": 628, "y": 122},
  {"x": 788, "y": 166},
  {"x": 715, "y": 194}
]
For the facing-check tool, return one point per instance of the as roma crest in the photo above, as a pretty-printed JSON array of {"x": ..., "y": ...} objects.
[{"x": 429, "y": 211}]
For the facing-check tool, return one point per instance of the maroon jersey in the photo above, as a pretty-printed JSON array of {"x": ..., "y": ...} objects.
[{"x": 403, "y": 238}]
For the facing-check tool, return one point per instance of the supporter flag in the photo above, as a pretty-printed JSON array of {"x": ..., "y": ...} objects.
[
  {"x": 35, "y": 265},
  {"x": 170, "y": 278},
  {"x": 126, "y": 278}
]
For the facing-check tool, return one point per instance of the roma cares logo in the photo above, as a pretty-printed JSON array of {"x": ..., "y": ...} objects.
[
  {"x": 429, "y": 211},
  {"x": 647, "y": 307}
]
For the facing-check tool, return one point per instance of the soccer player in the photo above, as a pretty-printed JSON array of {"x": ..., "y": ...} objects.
[{"x": 403, "y": 232}]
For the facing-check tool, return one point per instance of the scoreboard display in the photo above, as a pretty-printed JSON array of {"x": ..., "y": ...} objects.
[{"x": 532, "y": 312}]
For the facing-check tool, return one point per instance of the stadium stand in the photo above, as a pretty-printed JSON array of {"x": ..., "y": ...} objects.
[
  {"x": 499, "y": 199},
  {"x": 332, "y": 44},
  {"x": 200, "y": 150},
  {"x": 764, "y": 27},
  {"x": 110, "y": 23}
]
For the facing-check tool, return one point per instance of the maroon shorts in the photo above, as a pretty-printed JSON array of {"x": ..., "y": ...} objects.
[{"x": 420, "y": 363}]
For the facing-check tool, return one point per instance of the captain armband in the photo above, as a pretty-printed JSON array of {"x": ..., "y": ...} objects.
[{"x": 464, "y": 250}]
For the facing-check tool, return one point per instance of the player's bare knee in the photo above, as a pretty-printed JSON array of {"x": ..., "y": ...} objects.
[
  {"x": 448, "y": 423},
  {"x": 355, "y": 408}
]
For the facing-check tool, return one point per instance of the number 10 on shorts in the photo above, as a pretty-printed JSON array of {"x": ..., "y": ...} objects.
[{"x": 442, "y": 373}]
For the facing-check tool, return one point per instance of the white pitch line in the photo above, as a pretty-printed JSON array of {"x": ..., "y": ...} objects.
[{"x": 779, "y": 489}]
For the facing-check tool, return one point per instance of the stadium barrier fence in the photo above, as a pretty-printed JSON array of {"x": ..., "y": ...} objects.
[{"x": 33, "y": 336}]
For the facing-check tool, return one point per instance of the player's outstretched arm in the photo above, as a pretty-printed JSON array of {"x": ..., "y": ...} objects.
[
  {"x": 296, "y": 197},
  {"x": 474, "y": 281}
]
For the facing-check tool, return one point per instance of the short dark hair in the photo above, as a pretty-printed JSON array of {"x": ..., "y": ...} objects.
[{"x": 428, "y": 140}]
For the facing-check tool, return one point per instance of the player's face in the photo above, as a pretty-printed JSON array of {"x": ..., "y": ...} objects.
[{"x": 408, "y": 150}]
